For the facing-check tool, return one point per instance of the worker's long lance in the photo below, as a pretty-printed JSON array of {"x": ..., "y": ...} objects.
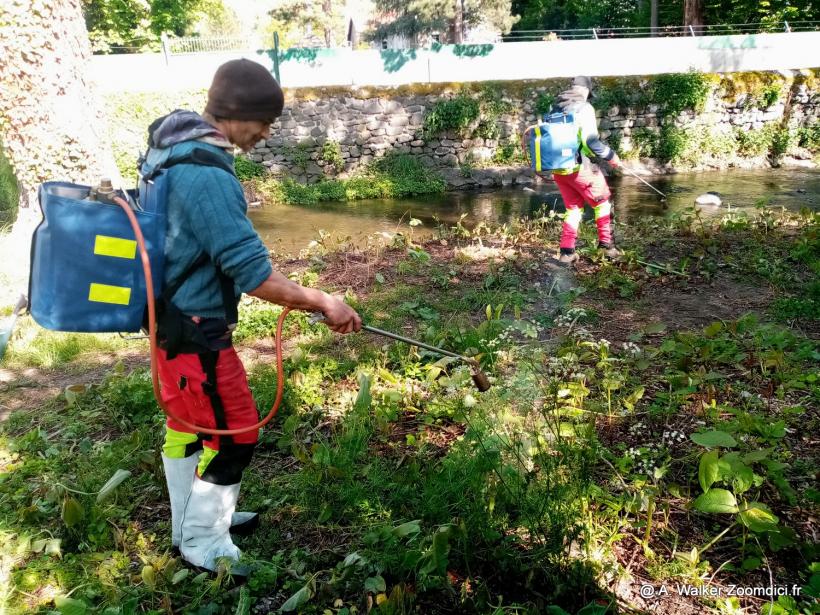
[
  {"x": 480, "y": 379},
  {"x": 633, "y": 174}
]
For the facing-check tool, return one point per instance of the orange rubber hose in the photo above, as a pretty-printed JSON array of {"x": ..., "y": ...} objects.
[{"x": 152, "y": 338}]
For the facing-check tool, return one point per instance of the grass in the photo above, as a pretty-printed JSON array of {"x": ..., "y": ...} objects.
[
  {"x": 624, "y": 442},
  {"x": 392, "y": 176}
]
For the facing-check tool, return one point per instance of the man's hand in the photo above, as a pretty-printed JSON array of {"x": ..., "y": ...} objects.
[
  {"x": 615, "y": 162},
  {"x": 340, "y": 317}
]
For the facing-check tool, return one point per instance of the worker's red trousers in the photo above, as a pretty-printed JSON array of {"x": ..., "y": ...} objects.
[
  {"x": 587, "y": 185},
  {"x": 210, "y": 389}
]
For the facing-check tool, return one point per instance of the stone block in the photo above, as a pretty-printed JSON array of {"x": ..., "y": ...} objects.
[{"x": 373, "y": 105}]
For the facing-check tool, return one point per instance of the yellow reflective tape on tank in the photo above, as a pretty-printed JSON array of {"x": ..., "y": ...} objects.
[
  {"x": 103, "y": 293},
  {"x": 114, "y": 246},
  {"x": 537, "y": 148}
]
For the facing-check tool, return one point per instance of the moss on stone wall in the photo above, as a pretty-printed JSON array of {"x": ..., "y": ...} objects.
[{"x": 619, "y": 89}]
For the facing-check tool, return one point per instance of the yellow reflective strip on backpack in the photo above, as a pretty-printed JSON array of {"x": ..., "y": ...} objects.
[
  {"x": 103, "y": 293},
  {"x": 537, "y": 148},
  {"x": 115, "y": 246}
]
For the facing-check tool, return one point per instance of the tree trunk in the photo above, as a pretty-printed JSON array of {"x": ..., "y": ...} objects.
[
  {"x": 327, "y": 8},
  {"x": 51, "y": 124},
  {"x": 693, "y": 13},
  {"x": 653, "y": 17},
  {"x": 458, "y": 23}
]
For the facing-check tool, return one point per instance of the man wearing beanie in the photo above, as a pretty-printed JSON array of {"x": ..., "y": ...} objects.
[{"x": 212, "y": 256}]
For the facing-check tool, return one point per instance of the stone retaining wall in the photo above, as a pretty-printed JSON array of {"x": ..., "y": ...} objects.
[{"x": 369, "y": 124}]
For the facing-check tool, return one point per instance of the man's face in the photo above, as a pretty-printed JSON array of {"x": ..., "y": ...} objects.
[{"x": 247, "y": 133}]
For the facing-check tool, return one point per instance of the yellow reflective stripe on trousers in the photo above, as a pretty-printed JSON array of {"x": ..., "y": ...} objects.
[
  {"x": 115, "y": 246},
  {"x": 573, "y": 217},
  {"x": 176, "y": 442},
  {"x": 537, "y": 148},
  {"x": 602, "y": 209},
  {"x": 208, "y": 455},
  {"x": 103, "y": 293}
]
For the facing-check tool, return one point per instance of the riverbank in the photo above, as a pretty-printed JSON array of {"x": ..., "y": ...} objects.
[
  {"x": 651, "y": 424},
  {"x": 671, "y": 122}
]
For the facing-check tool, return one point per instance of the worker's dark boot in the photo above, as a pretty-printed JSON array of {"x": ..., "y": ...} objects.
[
  {"x": 567, "y": 258},
  {"x": 610, "y": 251}
]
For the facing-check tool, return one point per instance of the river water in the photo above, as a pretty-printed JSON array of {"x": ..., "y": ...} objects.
[{"x": 290, "y": 228}]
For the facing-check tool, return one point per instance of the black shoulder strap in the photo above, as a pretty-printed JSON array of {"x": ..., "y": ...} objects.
[
  {"x": 226, "y": 286},
  {"x": 203, "y": 157},
  {"x": 198, "y": 155},
  {"x": 169, "y": 291},
  {"x": 206, "y": 158}
]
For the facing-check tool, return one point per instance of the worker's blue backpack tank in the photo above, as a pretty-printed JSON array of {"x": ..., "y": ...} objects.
[
  {"x": 86, "y": 270},
  {"x": 553, "y": 144}
]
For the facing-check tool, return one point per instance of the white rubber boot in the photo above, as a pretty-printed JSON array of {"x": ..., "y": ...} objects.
[
  {"x": 179, "y": 474},
  {"x": 206, "y": 524}
]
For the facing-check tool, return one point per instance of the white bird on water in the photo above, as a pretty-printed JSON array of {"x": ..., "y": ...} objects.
[{"x": 709, "y": 198}]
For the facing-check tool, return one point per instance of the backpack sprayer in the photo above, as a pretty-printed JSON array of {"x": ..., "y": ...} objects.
[{"x": 86, "y": 294}]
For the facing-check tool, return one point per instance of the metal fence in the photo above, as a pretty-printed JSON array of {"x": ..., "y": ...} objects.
[
  {"x": 174, "y": 45},
  {"x": 666, "y": 31},
  {"x": 192, "y": 45}
]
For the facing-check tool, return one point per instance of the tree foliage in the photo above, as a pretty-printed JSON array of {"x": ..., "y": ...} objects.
[
  {"x": 413, "y": 18},
  {"x": 308, "y": 22},
  {"x": 565, "y": 14},
  {"x": 136, "y": 25}
]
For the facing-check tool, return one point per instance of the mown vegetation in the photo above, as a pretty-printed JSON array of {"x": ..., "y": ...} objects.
[{"x": 651, "y": 422}]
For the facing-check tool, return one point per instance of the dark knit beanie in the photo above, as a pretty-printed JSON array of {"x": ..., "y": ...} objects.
[{"x": 244, "y": 90}]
